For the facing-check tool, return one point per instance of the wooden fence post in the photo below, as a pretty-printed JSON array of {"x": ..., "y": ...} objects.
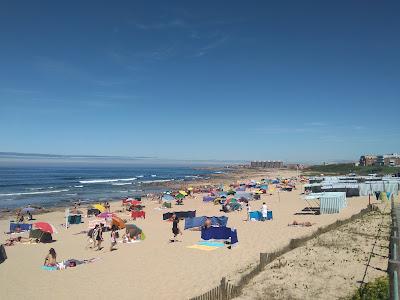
[{"x": 224, "y": 294}]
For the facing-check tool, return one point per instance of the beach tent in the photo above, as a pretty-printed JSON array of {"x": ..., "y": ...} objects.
[
  {"x": 243, "y": 196},
  {"x": 208, "y": 198},
  {"x": 100, "y": 207},
  {"x": 167, "y": 198},
  {"x": 93, "y": 211},
  {"x": 179, "y": 196},
  {"x": 43, "y": 237},
  {"x": 133, "y": 231}
]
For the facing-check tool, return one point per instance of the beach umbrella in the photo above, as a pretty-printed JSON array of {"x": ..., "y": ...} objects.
[
  {"x": 105, "y": 215},
  {"x": 100, "y": 207},
  {"x": 179, "y": 196},
  {"x": 183, "y": 193},
  {"x": 118, "y": 222},
  {"x": 45, "y": 227},
  {"x": 27, "y": 209},
  {"x": 167, "y": 198}
]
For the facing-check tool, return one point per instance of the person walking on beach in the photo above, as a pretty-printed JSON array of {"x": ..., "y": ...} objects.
[
  {"x": 175, "y": 227},
  {"x": 99, "y": 237},
  {"x": 114, "y": 236},
  {"x": 95, "y": 232}
]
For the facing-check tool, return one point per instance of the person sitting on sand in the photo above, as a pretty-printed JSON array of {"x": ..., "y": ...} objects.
[
  {"x": 207, "y": 223},
  {"x": 51, "y": 258},
  {"x": 305, "y": 224},
  {"x": 20, "y": 239}
]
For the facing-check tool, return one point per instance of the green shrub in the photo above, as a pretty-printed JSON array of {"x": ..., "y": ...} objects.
[{"x": 375, "y": 290}]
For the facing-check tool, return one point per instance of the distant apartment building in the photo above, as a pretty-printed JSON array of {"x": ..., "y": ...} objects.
[
  {"x": 391, "y": 159},
  {"x": 267, "y": 164},
  {"x": 368, "y": 160},
  {"x": 380, "y": 160}
]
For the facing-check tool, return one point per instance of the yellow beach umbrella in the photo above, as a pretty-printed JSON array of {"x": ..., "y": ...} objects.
[
  {"x": 183, "y": 193},
  {"x": 100, "y": 207}
]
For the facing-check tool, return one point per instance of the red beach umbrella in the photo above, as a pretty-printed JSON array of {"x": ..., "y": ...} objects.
[{"x": 45, "y": 227}]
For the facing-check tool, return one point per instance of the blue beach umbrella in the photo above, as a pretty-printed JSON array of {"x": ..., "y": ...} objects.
[{"x": 27, "y": 209}]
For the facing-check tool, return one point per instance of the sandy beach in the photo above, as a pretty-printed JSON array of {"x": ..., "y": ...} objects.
[
  {"x": 331, "y": 266},
  {"x": 155, "y": 268}
]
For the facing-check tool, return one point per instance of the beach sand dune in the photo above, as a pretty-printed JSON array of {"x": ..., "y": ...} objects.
[{"x": 155, "y": 268}]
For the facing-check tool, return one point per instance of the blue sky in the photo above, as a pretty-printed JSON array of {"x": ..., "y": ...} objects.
[{"x": 290, "y": 80}]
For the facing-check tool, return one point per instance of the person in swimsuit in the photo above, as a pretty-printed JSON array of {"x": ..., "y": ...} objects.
[{"x": 51, "y": 258}]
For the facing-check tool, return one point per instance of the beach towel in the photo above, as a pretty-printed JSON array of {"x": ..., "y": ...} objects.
[
  {"x": 199, "y": 221},
  {"x": 207, "y": 245},
  {"x": 48, "y": 268},
  {"x": 219, "y": 233}
]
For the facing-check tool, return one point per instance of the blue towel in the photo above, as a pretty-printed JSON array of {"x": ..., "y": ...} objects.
[{"x": 219, "y": 233}]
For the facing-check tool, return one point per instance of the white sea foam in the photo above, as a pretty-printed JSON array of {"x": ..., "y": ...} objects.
[
  {"x": 156, "y": 181},
  {"x": 192, "y": 176},
  {"x": 34, "y": 193},
  {"x": 78, "y": 186},
  {"x": 153, "y": 175},
  {"x": 106, "y": 180},
  {"x": 121, "y": 183},
  {"x": 140, "y": 176}
]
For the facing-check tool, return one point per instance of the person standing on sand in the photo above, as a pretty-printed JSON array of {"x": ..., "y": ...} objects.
[
  {"x": 99, "y": 237},
  {"x": 113, "y": 238},
  {"x": 175, "y": 227},
  {"x": 264, "y": 211},
  {"x": 248, "y": 209}
]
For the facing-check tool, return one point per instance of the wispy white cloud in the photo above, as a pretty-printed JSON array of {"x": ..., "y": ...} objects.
[
  {"x": 175, "y": 23},
  {"x": 211, "y": 45}
]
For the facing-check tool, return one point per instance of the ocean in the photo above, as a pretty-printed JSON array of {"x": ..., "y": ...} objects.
[{"x": 58, "y": 186}]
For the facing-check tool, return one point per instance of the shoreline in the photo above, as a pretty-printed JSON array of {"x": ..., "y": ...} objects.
[{"x": 212, "y": 180}]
